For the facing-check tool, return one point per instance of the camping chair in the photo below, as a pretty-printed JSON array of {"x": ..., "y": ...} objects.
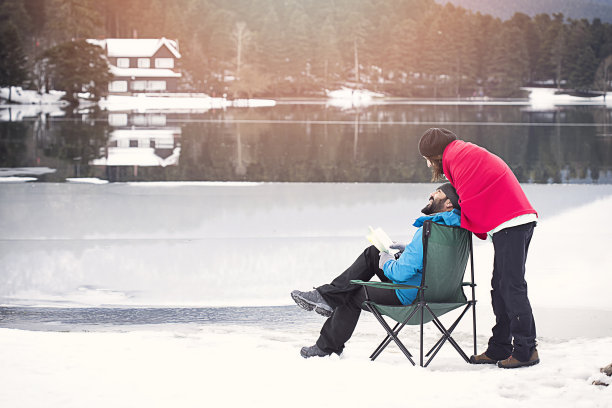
[{"x": 445, "y": 253}]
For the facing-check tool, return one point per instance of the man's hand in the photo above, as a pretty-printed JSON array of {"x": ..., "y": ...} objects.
[
  {"x": 384, "y": 257},
  {"x": 398, "y": 245}
]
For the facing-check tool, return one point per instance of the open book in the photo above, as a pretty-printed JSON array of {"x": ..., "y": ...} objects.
[{"x": 380, "y": 240}]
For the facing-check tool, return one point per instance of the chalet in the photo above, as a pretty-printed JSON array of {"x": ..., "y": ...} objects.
[{"x": 141, "y": 65}]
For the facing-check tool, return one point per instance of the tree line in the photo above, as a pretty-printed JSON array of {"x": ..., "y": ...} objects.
[{"x": 411, "y": 48}]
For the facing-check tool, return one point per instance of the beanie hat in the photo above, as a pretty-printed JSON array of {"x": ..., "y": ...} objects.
[
  {"x": 434, "y": 141},
  {"x": 451, "y": 194}
]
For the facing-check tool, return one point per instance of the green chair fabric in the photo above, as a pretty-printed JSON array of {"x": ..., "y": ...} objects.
[{"x": 446, "y": 251}]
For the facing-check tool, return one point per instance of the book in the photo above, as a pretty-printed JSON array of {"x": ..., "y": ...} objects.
[{"x": 380, "y": 240}]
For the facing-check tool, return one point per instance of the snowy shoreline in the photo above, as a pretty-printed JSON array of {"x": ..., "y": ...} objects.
[{"x": 100, "y": 247}]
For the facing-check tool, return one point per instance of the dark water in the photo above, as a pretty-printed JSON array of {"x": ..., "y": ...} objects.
[
  {"x": 72, "y": 319},
  {"x": 312, "y": 142}
]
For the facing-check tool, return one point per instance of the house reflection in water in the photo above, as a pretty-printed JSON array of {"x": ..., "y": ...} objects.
[{"x": 146, "y": 143}]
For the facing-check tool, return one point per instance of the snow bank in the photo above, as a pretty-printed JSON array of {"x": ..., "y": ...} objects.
[
  {"x": 23, "y": 96},
  {"x": 238, "y": 366}
]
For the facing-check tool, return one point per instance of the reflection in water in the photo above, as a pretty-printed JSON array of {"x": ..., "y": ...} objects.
[
  {"x": 134, "y": 148},
  {"x": 307, "y": 142}
]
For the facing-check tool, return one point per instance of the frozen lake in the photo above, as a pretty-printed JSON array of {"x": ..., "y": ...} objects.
[{"x": 209, "y": 248}]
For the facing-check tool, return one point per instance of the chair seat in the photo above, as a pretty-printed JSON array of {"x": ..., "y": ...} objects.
[{"x": 401, "y": 313}]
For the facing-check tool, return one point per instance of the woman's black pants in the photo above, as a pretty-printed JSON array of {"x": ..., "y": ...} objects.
[{"x": 514, "y": 332}]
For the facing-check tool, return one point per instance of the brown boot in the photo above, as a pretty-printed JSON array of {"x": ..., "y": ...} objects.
[
  {"x": 482, "y": 359},
  {"x": 512, "y": 362}
]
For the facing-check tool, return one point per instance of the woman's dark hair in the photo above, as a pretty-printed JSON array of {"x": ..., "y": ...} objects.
[{"x": 437, "y": 172}]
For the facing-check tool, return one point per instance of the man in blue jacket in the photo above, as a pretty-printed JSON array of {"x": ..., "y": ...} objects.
[{"x": 340, "y": 301}]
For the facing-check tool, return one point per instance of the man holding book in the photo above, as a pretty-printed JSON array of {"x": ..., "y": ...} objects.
[{"x": 340, "y": 301}]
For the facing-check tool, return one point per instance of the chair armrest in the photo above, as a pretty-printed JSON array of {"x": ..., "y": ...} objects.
[
  {"x": 473, "y": 285},
  {"x": 385, "y": 285}
]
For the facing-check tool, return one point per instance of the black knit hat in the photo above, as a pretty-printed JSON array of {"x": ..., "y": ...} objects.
[
  {"x": 434, "y": 141},
  {"x": 451, "y": 194}
]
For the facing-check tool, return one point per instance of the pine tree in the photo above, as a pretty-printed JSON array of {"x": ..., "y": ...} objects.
[
  {"x": 72, "y": 20},
  {"x": 581, "y": 60},
  {"x": 327, "y": 52},
  {"x": 77, "y": 66},
  {"x": 12, "y": 57},
  {"x": 510, "y": 61}
]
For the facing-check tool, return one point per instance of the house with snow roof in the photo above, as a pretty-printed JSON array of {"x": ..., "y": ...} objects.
[{"x": 141, "y": 64}]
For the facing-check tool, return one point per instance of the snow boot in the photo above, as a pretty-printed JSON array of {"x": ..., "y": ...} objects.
[
  {"x": 312, "y": 300},
  {"x": 482, "y": 359},
  {"x": 313, "y": 351},
  {"x": 512, "y": 362}
]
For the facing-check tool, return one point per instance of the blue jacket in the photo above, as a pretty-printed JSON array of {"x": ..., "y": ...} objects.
[{"x": 408, "y": 269}]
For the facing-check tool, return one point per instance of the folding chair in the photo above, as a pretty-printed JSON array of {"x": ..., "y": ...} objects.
[{"x": 445, "y": 254}]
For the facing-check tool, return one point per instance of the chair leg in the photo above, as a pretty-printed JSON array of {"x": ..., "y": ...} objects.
[
  {"x": 447, "y": 336},
  {"x": 390, "y": 332},
  {"x": 450, "y": 330},
  {"x": 444, "y": 337},
  {"x": 421, "y": 342},
  {"x": 388, "y": 339},
  {"x": 383, "y": 344},
  {"x": 473, "y": 303}
]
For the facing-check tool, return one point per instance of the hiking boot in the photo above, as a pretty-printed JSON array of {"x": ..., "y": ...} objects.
[
  {"x": 313, "y": 351},
  {"x": 312, "y": 301},
  {"x": 512, "y": 362},
  {"x": 482, "y": 359}
]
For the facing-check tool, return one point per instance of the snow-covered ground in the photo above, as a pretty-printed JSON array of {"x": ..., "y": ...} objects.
[
  {"x": 546, "y": 98},
  {"x": 144, "y": 102},
  {"x": 25, "y": 96},
  {"x": 233, "y": 244}
]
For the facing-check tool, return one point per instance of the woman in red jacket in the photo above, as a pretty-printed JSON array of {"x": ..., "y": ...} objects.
[{"x": 494, "y": 204}]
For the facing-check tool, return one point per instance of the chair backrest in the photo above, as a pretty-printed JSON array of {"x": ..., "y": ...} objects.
[{"x": 446, "y": 250}]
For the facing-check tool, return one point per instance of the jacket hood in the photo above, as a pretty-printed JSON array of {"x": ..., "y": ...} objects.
[{"x": 447, "y": 218}]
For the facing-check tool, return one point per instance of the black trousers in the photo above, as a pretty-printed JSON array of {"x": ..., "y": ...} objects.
[
  {"x": 346, "y": 299},
  {"x": 514, "y": 332}
]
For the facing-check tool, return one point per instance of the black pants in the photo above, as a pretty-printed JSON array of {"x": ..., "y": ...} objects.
[
  {"x": 513, "y": 315},
  {"x": 346, "y": 299}
]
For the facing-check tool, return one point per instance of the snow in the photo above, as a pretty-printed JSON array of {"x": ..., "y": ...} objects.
[
  {"x": 87, "y": 180},
  {"x": 135, "y": 47},
  {"x": 144, "y": 72},
  {"x": 13, "y": 179},
  {"x": 545, "y": 99},
  {"x": 143, "y": 102},
  {"x": 71, "y": 245},
  {"x": 354, "y": 94},
  {"x": 347, "y": 98},
  {"x": 19, "y": 174},
  {"x": 23, "y": 96}
]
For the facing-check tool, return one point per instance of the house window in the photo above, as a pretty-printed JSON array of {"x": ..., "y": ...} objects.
[
  {"x": 164, "y": 62},
  {"x": 118, "y": 86},
  {"x": 158, "y": 120},
  {"x": 118, "y": 119},
  {"x": 156, "y": 85},
  {"x": 144, "y": 63},
  {"x": 139, "y": 85},
  {"x": 123, "y": 62}
]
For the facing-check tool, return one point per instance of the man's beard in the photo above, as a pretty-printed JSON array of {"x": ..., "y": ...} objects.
[{"x": 434, "y": 206}]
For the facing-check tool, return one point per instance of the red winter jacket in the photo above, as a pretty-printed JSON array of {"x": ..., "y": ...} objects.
[{"x": 489, "y": 193}]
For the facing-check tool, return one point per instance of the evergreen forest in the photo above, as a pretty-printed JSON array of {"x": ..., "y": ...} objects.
[{"x": 407, "y": 48}]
